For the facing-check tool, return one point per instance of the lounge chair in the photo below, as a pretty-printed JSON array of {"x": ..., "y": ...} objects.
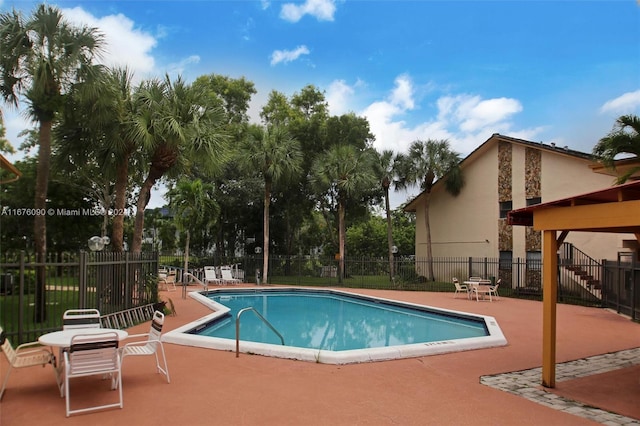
[
  {"x": 210, "y": 276},
  {"x": 150, "y": 345},
  {"x": 227, "y": 277},
  {"x": 460, "y": 288},
  {"x": 26, "y": 355}
]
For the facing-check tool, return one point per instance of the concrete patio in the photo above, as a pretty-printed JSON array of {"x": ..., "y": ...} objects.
[{"x": 214, "y": 387}]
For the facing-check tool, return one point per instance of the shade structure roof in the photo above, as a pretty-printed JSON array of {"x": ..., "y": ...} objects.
[
  {"x": 6, "y": 165},
  {"x": 614, "y": 209}
]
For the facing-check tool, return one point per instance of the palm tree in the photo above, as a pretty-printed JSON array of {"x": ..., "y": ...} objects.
[
  {"x": 42, "y": 57},
  {"x": 388, "y": 171},
  {"x": 194, "y": 208},
  {"x": 276, "y": 156},
  {"x": 623, "y": 139},
  {"x": 92, "y": 139},
  {"x": 427, "y": 162},
  {"x": 343, "y": 172},
  {"x": 177, "y": 128}
]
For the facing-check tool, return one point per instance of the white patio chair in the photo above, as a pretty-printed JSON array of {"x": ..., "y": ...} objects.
[
  {"x": 25, "y": 355},
  {"x": 460, "y": 288},
  {"x": 493, "y": 290},
  {"x": 210, "y": 276},
  {"x": 93, "y": 355},
  {"x": 150, "y": 345},
  {"x": 168, "y": 282},
  {"x": 80, "y": 318}
]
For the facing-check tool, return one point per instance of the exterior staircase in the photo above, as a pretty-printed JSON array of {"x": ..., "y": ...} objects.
[{"x": 581, "y": 269}]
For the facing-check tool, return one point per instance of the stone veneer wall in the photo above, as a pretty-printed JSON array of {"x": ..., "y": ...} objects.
[
  {"x": 532, "y": 189},
  {"x": 505, "y": 193}
]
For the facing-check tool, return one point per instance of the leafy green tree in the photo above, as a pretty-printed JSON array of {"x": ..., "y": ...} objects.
[
  {"x": 178, "y": 128},
  {"x": 342, "y": 173},
  {"x": 42, "y": 57},
  {"x": 67, "y": 205},
  {"x": 623, "y": 141},
  {"x": 427, "y": 162},
  {"x": 193, "y": 207},
  {"x": 275, "y": 156}
]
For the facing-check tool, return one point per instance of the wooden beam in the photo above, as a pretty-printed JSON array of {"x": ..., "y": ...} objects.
[
  {"x": 617, "y": 215},
  {"x": 549, "y": 298},
  {"x": 562, "y": 237}
]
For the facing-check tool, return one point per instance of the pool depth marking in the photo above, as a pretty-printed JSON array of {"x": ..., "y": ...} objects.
[{"x": 183, "y": 336}]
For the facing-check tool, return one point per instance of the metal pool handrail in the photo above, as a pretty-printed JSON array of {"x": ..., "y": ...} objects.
[{"x": 250, "y": 308}]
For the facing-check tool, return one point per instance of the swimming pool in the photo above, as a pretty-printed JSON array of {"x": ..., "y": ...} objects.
[{"x": 333, "y": 327}]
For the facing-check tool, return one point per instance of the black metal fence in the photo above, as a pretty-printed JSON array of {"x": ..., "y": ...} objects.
[
  {"x": 113, "y": 282},
  {"x": 35, "y": 293},
  {"x": 581, "y": 279}
]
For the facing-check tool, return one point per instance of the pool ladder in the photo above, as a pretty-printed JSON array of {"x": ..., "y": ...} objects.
[{"x": 242, "y": 311}]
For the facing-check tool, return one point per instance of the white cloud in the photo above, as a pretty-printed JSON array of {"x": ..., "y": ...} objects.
[
  {"x": 288, "y": 55},
  {"x": 125, "y": 45},
  {"x": 179, "y": 67},
  {"x": 623, "y": 104},
  {"x": 465, "y": 120},
  {"x": 322, "y": 10},
  {"x": 338, "y": 96}
]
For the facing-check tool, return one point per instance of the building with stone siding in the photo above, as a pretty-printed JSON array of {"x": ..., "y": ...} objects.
[{"x": 502, "y": 174}]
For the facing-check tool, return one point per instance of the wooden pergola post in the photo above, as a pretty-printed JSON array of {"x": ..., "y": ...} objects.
[{"x": 549, "y": 300}]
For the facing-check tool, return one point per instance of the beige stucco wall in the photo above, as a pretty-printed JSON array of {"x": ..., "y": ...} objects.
[
  {"x": 461, "y": 226},
  {"x": 468, "y": 225}
]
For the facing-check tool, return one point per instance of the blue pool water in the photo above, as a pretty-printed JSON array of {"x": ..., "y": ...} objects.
[{"x": 324, "y": 320}]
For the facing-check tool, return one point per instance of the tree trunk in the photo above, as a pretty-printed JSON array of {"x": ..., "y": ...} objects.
[
  {"x": 427, "y": 226},
  {"x": 389, "y": 229},
  {"x": 141, "y": 204},
  {"x": 117, "y": 233},
  {"x": 164, "y": 157},
  {"x": 341, "y": 239},
  {"x": 40, "y": 220},
  {"x": 265, "y": 248},
  {"x": 186, "y": 254}
]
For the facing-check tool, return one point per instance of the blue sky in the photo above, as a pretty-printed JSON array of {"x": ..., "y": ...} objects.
[{"x": 459, "y": 70}]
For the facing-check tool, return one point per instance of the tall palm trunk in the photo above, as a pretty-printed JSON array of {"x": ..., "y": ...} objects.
[
  {"x": 40, "y": 220},
  {"x": 385, "y": 185},
  {"x": 427, "y": 199},
  {"x": 265, "y": 248},
  {"x": 117, "y": 233},
  {"x": 341, "y": 238},
  {"x": 163, "y": 159},
  {"x": 186, "y": 253}
]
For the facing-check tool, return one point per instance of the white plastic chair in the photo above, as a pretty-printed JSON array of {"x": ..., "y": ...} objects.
[
  {"x": 493, "y": 290},
  {"x": 92, "y": 355},
  {"x": 168, "y": 282},
  {"x": 25, "y": 355},
  {"x": 150, "y": 345},
  {"x": 80, "y": 318},
  {"x": 460, "y": 288}
]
